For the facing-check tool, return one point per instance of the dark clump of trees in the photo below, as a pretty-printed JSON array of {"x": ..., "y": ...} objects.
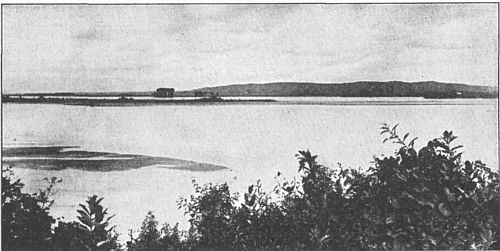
[
  {"x": 27, "y": 224},
  {"x": 152, "y": 239},
  {"x": 417, "y": 199}
]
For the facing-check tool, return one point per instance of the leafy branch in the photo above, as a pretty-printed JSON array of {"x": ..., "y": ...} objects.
[{"x": 392, "y": 135}]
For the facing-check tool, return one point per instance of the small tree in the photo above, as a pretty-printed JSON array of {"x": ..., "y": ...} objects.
[
  {"x": 171, "y": 238},
  {"x": 211, "y": 210},
  {"x": 149, "y": 235},
  {"x": 92, "y": 232},
  {"x": 68, "y": 236},
  {"x": 152, "y": 239},
  {"x": 26, "y": 223}
]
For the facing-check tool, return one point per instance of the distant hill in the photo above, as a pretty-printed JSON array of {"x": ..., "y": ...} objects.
[
  {"x": 356, "y": 89},
  {"x": 429, "y": 89}
]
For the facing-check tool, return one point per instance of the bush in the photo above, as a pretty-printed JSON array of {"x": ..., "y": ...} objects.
[
  {"x": 425, "y": 200},
  {"x": 91, "y": 232},
  {"x": 431, "y": 200},
  {"x": 26, "y": 223},
  {"x": 210, "y": 210},
  {"x": 152, "y": 239}
]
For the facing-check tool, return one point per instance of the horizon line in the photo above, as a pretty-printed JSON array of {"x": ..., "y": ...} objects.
[{"x": 258, "y": 83}]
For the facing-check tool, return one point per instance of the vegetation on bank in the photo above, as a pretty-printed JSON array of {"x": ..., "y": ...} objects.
[
  {"x": 425, "y": 199},
  {"x": 124, "y": 101}
]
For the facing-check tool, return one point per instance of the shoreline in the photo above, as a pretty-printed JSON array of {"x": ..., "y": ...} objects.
[
  {"x": 123, "y": 101},
  {"x": 145, "y": 103}
]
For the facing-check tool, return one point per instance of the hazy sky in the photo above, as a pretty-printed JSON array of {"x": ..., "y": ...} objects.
[{"x": 121, "y": 48}]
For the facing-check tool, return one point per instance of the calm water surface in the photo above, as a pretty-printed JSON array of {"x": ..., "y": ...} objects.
[{"x": 254, "y": 141}]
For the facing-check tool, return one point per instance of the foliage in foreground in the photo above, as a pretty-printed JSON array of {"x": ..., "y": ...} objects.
[
  {"x": 91, "y": 232},
  {"x": 428, "y": 199},
  {"x": 425, "y": 199},
  {"x": 27, "y": 225}
]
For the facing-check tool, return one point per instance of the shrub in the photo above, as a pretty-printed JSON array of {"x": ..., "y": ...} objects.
[
  {"x": 149, "y": 236},
  {"x": 67, "y": 236},
  {"x": 432, "y": 199},
  {"x": 152, "y": 239},
  {"x": 26, "y": 223},
  {"x": 91, "y": 232},
  {"x": 428, "y": 199},
  {"x": 210, "y": 210}
]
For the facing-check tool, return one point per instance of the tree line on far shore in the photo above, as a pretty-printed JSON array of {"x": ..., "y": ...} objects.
[{"x": 425, "y": 199}]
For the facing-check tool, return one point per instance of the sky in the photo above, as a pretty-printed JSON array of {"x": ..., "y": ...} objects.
[{"x": 49, "y": 48}]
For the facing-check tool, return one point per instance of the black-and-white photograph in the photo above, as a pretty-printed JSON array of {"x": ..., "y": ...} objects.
[{"x": 240, "y": 126}]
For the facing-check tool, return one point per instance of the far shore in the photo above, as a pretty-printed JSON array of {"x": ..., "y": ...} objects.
[
  {"x": 124, "y": 101},
  {"x": 131, "y": 102}
]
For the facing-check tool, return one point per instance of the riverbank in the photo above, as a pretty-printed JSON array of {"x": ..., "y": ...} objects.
[
  {"x": 66, "y": 157},
  {"x": 124, "y": 101}
]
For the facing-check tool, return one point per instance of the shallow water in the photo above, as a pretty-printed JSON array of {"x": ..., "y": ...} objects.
[{"x": 255, "y": 141}]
